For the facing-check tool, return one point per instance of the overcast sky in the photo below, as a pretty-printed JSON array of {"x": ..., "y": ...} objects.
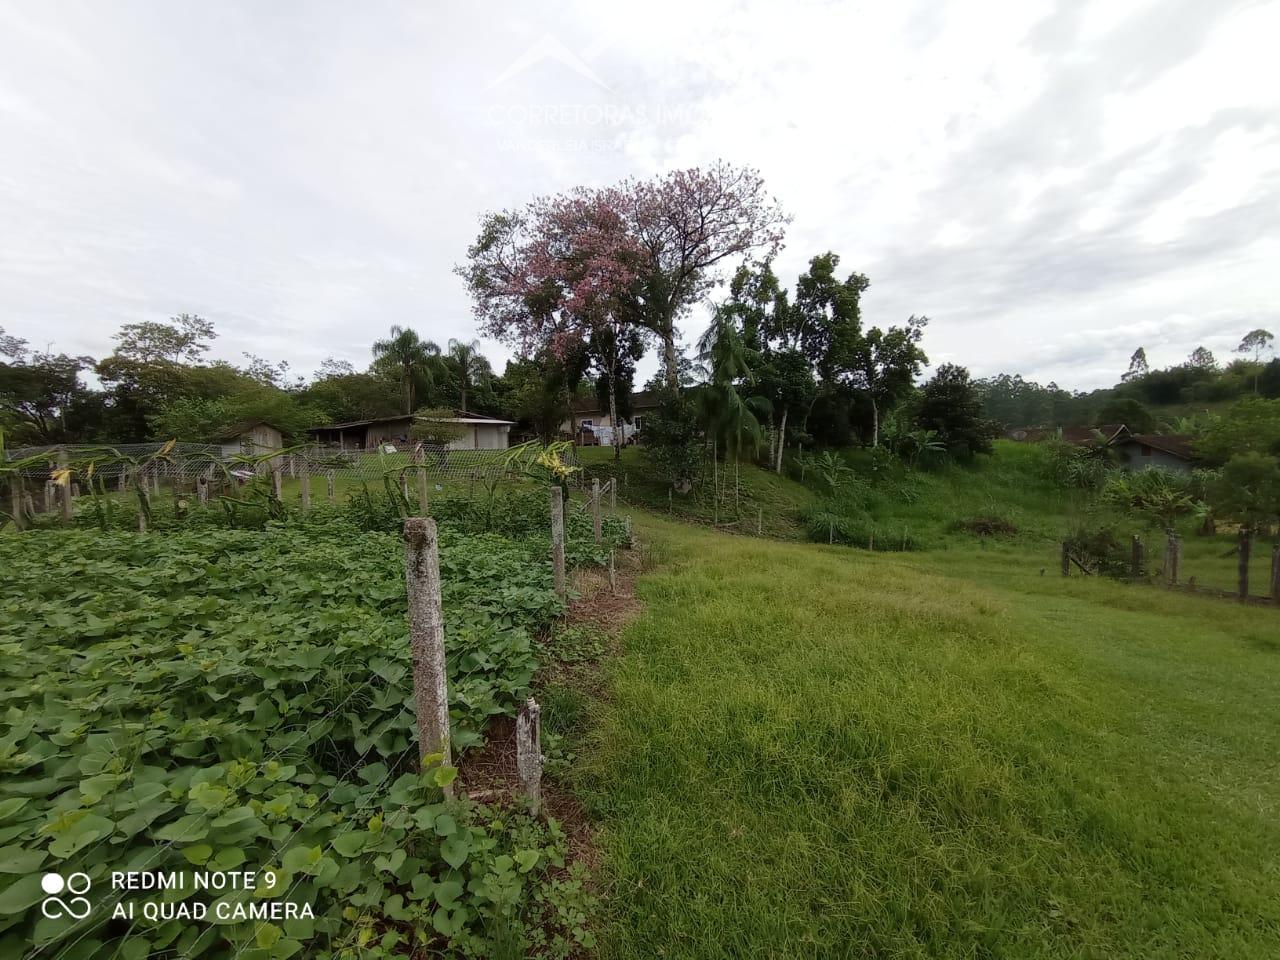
[{"x": 1052, "y": 184}]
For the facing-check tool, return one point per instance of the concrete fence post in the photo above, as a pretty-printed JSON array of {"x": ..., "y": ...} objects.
[
  {"x": 613, "y": 578},
  {"x": 1245, "y": 548},
  {"x": 426, "y": 638},
  {"x": 277, "y": 481},
  {"x": 1173, "y": 558},
  {"x": 557, "y": 539},
  {"x": 51, "y": 491},
  {"x": 613, "y": 497},
  {"x": 1135, "y": 558},
  {"x": 421, "y": 460},
  {"x": 529, "y": 753},
  {"x": 15, "y": 490},
  {"x": 328, "y": 476},
  {"x": 305, "y": 489},
  {"x": 595, "y": 509}
]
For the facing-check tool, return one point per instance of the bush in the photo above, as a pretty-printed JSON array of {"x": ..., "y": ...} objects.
[{"x": 855, "y": 529}]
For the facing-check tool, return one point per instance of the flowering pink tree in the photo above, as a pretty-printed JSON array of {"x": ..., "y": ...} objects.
[
  {"x": 640, "y": 254},
  {"x": 555, "y": 276}
]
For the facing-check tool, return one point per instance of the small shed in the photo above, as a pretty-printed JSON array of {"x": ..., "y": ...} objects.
[{"x": 250, "y": 437}]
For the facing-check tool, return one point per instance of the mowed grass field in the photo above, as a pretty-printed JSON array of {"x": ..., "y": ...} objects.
[{"x": 808, "y": 751}]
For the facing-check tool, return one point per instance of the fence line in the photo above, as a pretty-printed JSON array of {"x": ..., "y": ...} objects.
[{"x": 1170, "y": 571}]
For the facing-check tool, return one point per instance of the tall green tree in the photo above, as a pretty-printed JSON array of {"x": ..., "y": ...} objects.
[
  {"x": 951, "y": 405},
  {"x": 885, "y": 365},
  {"x": 404, "y": 352},
  {"x": 469, "y": 367},
  {"x": 1256, "y": 342}
]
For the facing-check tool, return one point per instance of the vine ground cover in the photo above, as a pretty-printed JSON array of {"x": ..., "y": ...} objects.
[{"x": 233, "y": 699}]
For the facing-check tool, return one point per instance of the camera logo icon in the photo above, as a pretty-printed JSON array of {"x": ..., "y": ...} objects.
[{"x": 76, "y": 906}]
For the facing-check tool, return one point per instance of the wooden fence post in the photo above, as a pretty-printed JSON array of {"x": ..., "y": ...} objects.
[
  {"x": 51, "y": 491},
  {"x": 333, "y": 497},
  {"x": 613, "y": 581},
  {"x": 1173, "y": 558},
  {"x": 64, "y": 489},
  {"x": 420, "y": 459},
  {"x": 277, "y": 485},
  {"x": 613, "y": 496},
  {"x": 202, "y": 489},
  {"x": 1066, "y": 559},
  {"x": 155, "y": 481},
  {"x": 759, "y": 521},
  {"x": 305, "y": 489},
  {"x": 529, "y": 753},
  {"x": 557, "y": 539},
  {"x": 1275, "y": 574},
  {"x": 831, "y": 532},
  {"x": 1245, "y": 549},
  {"x": 595, "y": 509},
  {"x": 426, "y": 638}
]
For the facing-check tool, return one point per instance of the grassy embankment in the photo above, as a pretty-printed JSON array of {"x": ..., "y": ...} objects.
[{"x": 817, "y": 751}]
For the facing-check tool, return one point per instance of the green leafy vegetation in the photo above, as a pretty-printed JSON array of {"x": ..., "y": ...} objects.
[{"x": 226, "y": 698}]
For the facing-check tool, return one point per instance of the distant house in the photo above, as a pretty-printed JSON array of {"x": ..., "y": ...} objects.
[
  {"x": 476, "y": 432},
  {"x": 1134, "y": 450},
  {"x": 1169, "y": 451},
  {"x": 1080, "y": 436},
  {"x": 250, "y": 437},
  {"x": 590, "y": 423}
]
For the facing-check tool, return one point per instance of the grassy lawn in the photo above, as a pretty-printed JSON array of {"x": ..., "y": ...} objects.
[{"x": 810, "y": 751}]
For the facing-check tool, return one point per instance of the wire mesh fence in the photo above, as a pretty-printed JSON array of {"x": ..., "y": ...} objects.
[{"x": 185, "y": 465}]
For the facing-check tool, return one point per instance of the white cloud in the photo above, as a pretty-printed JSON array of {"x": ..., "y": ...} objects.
[{"x": 1044, "y": 180}]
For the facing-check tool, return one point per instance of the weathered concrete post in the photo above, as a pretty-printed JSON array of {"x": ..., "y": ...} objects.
[
  {"x": 1066, "y": 559},
  {"x": 277, "y": 485},
  {"x": 1245, "y": 548},
  {"x": 426, "y": 638},
  {"x": 64, "y": 488},
  {"x": 595, "y": 509},
  {"x": 333, "y": 496},
  {"x": 613, "y": 578},
  {"x": 155, "y": 481},
  {"x": 202, "y": 489},
  {"x": 557, "y": 539},
  {"x": 529, "y": 753},
  {"x": 404, "y": 485},
  {"x": 50, "y": 492},
  {"x": 305, "y": 489},
  {"x": 293, "y": 467},
  {"x": 613, "y": 496},
  {"x": 1275, "y": 574},
  {"x": 420, "y": 459},
  {"x": 1135, "y": 557},
  {"x": 15, "y": 490}
]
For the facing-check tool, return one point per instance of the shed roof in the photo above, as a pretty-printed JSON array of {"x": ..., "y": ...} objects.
[
  {"x": 240, "y": 428},
  {"x": 1175, "y": 444}
]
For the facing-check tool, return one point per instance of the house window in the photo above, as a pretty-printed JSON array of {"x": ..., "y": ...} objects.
[
  {"x": 638, "y": 423},
  {"x": 585, "y": 423}
]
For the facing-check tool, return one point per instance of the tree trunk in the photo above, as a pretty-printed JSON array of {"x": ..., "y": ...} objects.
[
  {"x": 782, "y": 439},
  {"x": 875, "y": 423},
  {"x": 613, "y": 417},
  {"x": 464, "y": 397},
  {"x": 669, "y": 359}
]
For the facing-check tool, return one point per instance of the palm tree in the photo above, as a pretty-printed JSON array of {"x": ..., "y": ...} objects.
[
  {"x": 730, "y": 416},
  {"x": 468, "y": 365},
  {"x": 408, "y": 356}
]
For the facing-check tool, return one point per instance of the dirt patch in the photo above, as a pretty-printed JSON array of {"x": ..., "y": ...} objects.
[{"x": 488, "y": 774}]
